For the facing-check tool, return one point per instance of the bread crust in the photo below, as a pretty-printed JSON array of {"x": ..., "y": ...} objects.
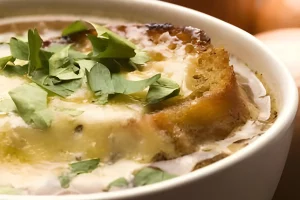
[{"x": 217, "y": 104}]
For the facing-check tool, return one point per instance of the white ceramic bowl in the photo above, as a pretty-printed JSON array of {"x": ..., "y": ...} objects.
[{"x": 250, "y": 174}]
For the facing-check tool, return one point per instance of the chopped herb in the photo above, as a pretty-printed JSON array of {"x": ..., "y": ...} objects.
[
  {"x": 76, "y": 168},
  {"x": 74, "y": 27},
  {"x": 85, "y": 166},
  {"x": 123, "y": 86},
  {"x": 31, "y": 103},
  {"x": 118, "y": 183},
  {"x": 140, "y": 58},
  {"x": 99, "y": 79},
  {"x": 7, "y": 105},
  {"x": 110, "y": 45},
  {"x": 5, "y": 60},
  {"x": 65, "y": 179},
  {"x": 11, "y": 69},
  {"x": 148, "y": 175},
  {"x": 161, "y": 90},
  {"x": 19, "y": 49},
  {"x": 62, "y": 67},
  {"x": 34, "y": 45},
  {"x": 103, "y": 83},
  {"x": 60, "y": 88},
  {"x": 86, "y": 64}
]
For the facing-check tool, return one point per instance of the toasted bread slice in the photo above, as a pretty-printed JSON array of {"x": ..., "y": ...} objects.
[
  {"x": 217, "y": 104},
  {"x": 210, "y": 106}
]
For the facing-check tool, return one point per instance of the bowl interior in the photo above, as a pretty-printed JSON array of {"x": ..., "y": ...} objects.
[{"x": 236, "y": 41}]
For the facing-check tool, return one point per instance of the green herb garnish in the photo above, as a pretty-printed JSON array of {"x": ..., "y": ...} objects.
[
  {"x": 18, "y": 49},
  {"x": 76, "y": 168},
  {"x": 161, "y": 90},
  {"x": 103, "y": 83},
  {"x": 108, "y": 44},
  {"x": 5, "y": 60},
  {"x": 60, "y": 70},
  {"x": 7, "y": 105},
  {"x": 62, "y": 66},
  {"x": 34, "y": 46},
  {"x": 148, "y": 175},
  {"x": 31, "y": 103},
  {"x": 118, "y": 183},
  {"x": 74, "y": 27}
]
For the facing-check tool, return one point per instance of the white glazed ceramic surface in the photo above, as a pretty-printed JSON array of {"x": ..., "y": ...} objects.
[{"x": 250, "y": 174}]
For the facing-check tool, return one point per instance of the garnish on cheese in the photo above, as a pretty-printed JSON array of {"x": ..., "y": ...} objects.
[{"x": 60, "y": 69}]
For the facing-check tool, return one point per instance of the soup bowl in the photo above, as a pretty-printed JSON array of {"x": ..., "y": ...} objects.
[{"x": 253, "y": 172}]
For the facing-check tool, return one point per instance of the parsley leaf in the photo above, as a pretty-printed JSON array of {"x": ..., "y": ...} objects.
[
  {"x": 140, "y": 58},
  {"x": 76, "y": 168},
  {"x": 148, "y": 175},
  {"x": 60, "y": 88},
  {"x": 5, "y": 60},
  {"x": 103, "y": 83},
  {"x": 123, "y": 86},
  {"x": 63, "y": 67},
  {"x": 31, "y": 103},
  {"x": 19, "y": 49},
  {"x": 34, "y": 45},
  {"x": 7, "y": 105},
  {"x": 84, "y": 166},
  {"x": 74, "y": 27},
  {"x": 65, "y": 179},
  {"x": 110, "y": 45},
  {"x": 118, "y": 183},
  {"x": 161, "y": 90},
  {"x": 99, "y": 79}
]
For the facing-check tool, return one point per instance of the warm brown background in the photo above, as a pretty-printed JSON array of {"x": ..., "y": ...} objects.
[
  {"x": 257, "y": 16},
  {"x": 251, "y": 15}
]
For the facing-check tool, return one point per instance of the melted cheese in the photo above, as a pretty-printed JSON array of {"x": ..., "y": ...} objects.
[{"x": 108, "y": 131}]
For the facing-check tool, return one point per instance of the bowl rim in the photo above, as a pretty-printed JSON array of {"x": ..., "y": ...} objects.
[{"x": 283, "y": 122}]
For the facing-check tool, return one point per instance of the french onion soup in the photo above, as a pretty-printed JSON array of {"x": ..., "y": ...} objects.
[{"x": 91, "y": 108}]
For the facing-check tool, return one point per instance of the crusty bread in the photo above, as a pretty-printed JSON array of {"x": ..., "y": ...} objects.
[{"x": 217, "y": 104}]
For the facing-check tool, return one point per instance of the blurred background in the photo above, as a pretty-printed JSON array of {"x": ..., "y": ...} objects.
[
  {"x": 253, "y": 16},
  {"x": 277, "y": 24}
]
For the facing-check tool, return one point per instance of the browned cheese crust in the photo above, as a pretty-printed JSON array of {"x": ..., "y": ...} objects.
[{"x": 217, "y": 104}]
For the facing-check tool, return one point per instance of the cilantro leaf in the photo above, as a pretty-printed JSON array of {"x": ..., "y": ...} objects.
[
  {"x": 161, "y": 90},
  {"x": 5, "y": 60},
  {"x": 31, "y": 103},
  {"x": 19, "y": 49},
  {"x": 108, "y": 44},
  {"x": 34, "y": 45},
  {"x": 118, "y": 183},
  {"x": 74, "y": 27},
  {"x": 148, "y": 175}
]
